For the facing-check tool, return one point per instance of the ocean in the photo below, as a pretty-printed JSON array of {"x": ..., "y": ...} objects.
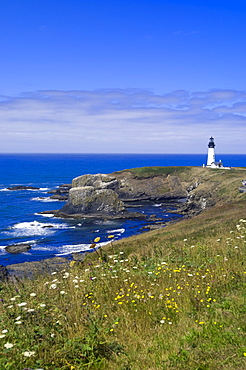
[{"x": 19, "y": 218}]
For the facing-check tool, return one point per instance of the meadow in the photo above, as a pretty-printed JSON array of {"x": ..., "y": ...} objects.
[{"x": 173, "y": 298}]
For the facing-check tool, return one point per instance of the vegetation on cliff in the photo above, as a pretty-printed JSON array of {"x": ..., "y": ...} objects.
[{"x": 173, "y": 298}]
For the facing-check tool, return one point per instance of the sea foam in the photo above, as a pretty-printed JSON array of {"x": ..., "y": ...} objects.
[{"x": 34, "y": 228}]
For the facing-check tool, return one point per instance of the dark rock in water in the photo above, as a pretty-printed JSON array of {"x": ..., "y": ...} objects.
[
  {"x": 61, "y": 193},
  {"x": 3, "y": 273},
  {"x": 23, "y": 187},
  {"x": 54, "y": 211},
  {"x": 61, "y": 189},
  {"x": 47, "y": 226},
  {"x": 59, "y": 197},
  {"x": 17, "y": 248},
  {"x": 154, "y": 218}
]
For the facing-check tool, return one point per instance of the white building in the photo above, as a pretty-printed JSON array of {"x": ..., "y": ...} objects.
[{"x": 211, "y": 162}]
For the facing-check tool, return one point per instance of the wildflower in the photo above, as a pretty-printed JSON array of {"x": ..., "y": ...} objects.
[
  {"x": 162, "y": 321},
  {"x": 11, "y": 306},
  {"x": 96, "y": 240},
  {"x": 8, "y": 345},
  {"x": 28, "y": 353},
  {"x": 18, "y": 318},
  {"x": 53, "y": 273},
  {"x": 4, "y": 331},
  {"x": 62, "y": 292},
  {"x": 31, "y": 310},
  {"x": 33, "y": 295},
  {"x": 185, "y": 240},
  {"x": 2, "y": 336},
  {"x": 72, "y": 263},
  {"x": 42, "y": 305},
  {"x": 22, "y": 304},
  {"x": 66, "y": 275},
  {"x": 53, "y": 286},
  {"x": 18, "y": 322}
]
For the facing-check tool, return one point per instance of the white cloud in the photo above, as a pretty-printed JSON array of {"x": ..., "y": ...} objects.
[{"x": 131, "y": 120}]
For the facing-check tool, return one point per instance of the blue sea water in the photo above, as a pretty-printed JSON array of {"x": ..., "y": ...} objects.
[{"x": 19, "y": 218}]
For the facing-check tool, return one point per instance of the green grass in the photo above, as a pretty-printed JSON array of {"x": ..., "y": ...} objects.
[
  {"x": 145, "y": 172},
  {"x": 170, "y": 299}
]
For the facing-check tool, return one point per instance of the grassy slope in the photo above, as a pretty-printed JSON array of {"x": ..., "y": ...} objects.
[{"x": 172, "y": 298}]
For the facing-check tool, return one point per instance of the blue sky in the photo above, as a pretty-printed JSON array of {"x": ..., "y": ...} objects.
[{"x": 149, "y": 76}]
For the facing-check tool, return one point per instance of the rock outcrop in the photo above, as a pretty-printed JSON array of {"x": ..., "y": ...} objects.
[
  {"x": 62, "y": 193},
  {"x": 98, "y": 181},
  {"x": 89, "y": 200},
  {"x": 23, "y": 187},
  {"x": 18, "y": 248}
]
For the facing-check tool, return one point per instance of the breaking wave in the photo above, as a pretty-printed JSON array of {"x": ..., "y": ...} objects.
[{"x": 34, "y": 228}]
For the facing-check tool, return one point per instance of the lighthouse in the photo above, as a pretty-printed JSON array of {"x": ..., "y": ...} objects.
[
  {"x": 211, "y": 156},
  {"x": 211, "y": 152}
]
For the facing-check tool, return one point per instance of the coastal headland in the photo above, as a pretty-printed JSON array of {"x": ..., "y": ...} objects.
[
  {"x": 109, "y": 196},
  {"x": 171, "y": 298}
]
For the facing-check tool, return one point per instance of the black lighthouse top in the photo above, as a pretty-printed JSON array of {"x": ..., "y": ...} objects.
[{"x": 211, "y": 143}]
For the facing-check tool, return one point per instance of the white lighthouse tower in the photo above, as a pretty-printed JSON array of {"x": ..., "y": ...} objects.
[{"x": 211, "y": 153}]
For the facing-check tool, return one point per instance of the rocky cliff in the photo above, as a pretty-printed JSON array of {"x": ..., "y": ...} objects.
[{"x": 108, "y": 195}]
